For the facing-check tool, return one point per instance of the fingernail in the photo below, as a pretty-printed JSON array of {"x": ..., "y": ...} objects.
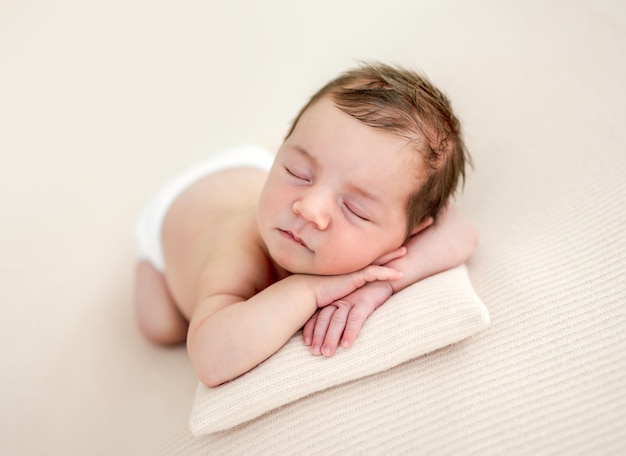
[
  {"x": 307, "y": 340},
  {"x": 326, "y": 351},
  {"x": 316, "y": 349}
]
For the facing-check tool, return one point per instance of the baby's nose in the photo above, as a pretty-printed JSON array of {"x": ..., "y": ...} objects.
[{"x": 314, "y": 209}]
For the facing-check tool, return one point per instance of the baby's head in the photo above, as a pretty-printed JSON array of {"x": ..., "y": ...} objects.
[
  {"x": 369, "y": 161},
  {"x": 404, "y": 103}
]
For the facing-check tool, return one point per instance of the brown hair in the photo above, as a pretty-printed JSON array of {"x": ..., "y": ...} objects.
[{"x": 405, "y": 103}]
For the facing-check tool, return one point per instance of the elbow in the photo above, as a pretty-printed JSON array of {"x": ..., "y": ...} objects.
[
  {"x": 461, "y": 233},
  {"x": 470, "y": 242},
  {"x": 210, "y": 369},
  {"x": 465, "y": 241},
  {"x": 211, "y": 372},
  {"x": 473, "y": 235},
  {"x": 211, "y": 379}
]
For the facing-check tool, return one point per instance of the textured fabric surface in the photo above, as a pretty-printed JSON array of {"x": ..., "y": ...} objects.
[{"x": 431, "y": 314}]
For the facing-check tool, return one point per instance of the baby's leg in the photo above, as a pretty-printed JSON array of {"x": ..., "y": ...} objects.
[{"x": 157, "y": 315}]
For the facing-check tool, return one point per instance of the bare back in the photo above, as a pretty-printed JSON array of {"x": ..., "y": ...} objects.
[{"x": 211, "y": 226}]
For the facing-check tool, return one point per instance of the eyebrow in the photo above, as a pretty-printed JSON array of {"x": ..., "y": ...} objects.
[
  {"x": 304, "y": 152},
  {"x": 364, "y": 193}
]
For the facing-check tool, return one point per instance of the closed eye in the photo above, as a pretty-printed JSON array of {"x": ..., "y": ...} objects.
[
  {"x": 297, "y": 175},
  {"x": 356, "y": 213}
]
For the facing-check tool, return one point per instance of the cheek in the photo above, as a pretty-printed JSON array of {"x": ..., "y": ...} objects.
[
  {"x": 381, "y": 243},
  {"x": 272, "y": 200},
  {"x": 352, "y": 251},
  {"x": 264, "y": 207}
]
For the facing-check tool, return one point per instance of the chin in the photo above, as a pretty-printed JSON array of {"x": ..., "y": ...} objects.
[
  {"x": 338, "y": 267},
  {"x": 295, "y": 267},
  {"x": 289, "y": 265}
]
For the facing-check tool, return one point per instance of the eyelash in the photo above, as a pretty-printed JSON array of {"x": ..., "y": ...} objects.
[
  {"x": 356, "y": 214},
  {"x": 291, "y": 173}
]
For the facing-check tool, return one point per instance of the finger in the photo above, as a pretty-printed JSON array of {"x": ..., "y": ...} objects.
[
  {"x": 321, "y": 326},
  {"x": 373, "y": 273},
  {"x": 355, "y": 320},
  {"x": 393, "y": 255},
  {"x": 335, "y": 329},
  {"x": 307, "y": 330}
]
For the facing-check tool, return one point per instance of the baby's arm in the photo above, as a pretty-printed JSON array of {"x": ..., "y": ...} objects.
[
  {"x": 449, "y": 242},
  {"x": 229, "y": 335}
]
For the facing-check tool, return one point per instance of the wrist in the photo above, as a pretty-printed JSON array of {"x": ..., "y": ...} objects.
[
  {"x": 386, "y": 288},
  {"x": 306, "y": 287},
  {"x": 395, "y": 285}
]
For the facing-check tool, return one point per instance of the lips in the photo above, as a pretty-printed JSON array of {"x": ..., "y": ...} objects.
[{"x": 292, "y": 237}]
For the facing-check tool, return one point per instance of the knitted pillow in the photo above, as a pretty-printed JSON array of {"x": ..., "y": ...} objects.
[{"x": 430, "y": 314}]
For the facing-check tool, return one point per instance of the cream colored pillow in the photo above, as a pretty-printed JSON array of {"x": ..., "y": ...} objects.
[{"x": 431, "y": 314}]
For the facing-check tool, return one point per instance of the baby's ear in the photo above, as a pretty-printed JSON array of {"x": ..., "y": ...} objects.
[{"x": 422, "y": 225}]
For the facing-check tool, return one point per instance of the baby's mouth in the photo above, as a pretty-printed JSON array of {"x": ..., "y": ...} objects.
[{"x": 289, "y": 235}]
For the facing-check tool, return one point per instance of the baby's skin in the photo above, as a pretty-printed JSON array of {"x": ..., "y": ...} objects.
[{"x": 317, "y": 244}]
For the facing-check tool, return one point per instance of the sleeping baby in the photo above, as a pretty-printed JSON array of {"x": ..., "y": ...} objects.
[{"x": 244, "y": 250}]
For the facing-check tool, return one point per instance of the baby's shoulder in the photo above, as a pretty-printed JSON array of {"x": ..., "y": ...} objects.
[{"x": 238, "y": 264}]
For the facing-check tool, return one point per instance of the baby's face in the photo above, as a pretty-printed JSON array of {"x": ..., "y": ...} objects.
[{"x": 335, "y": 198}]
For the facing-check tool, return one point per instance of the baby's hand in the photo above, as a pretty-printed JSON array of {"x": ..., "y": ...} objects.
[
  {"x": 343, "y": 319},
  {"x": 329, "y": 289}
]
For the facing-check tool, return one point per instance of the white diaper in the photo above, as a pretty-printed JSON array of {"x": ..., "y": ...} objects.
[{"x": 148, "y": 227}]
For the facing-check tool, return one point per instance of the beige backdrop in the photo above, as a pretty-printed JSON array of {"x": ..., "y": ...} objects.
[{"x": 100, "y": 102}]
